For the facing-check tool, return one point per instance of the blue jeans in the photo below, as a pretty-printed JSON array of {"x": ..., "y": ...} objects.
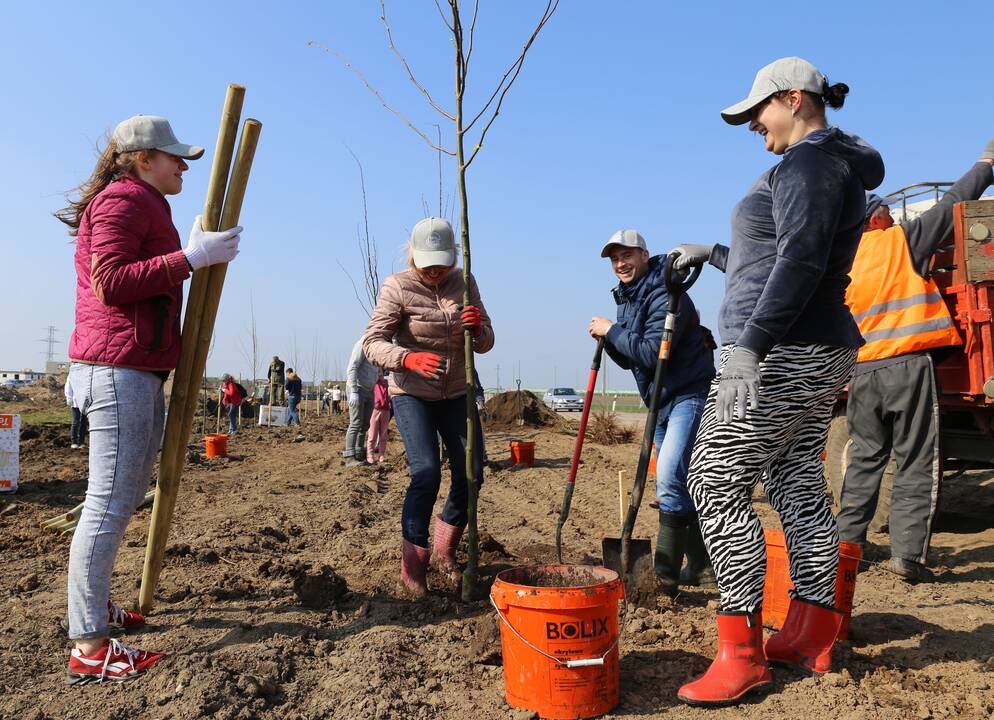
[
  {"x": 421, "y": 422},
  {"x": 675, "y": 434},
  {"x": 126, "y": 413},
  {"x": 232, "y": 419},
  {"x": 291, "y": 413}
]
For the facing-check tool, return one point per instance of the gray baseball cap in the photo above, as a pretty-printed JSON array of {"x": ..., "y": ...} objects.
[
  {"x": 625, "y": 238},
  {"x": 433, "y": 243},
  {"x": 789, "y": 73},
  {"x": 150, "y": 132}
]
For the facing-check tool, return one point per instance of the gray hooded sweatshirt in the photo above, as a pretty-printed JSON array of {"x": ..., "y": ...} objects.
[{"x": 794, "y": 236}]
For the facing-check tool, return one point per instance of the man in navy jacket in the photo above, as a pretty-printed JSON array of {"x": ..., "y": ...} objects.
[{"x": 633, "y": 343}]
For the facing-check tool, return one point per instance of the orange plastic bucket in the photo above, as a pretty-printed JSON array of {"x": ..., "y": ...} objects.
[
  {"x": 559, "y": 630},
  {"x": 523, "y": 453},
  {"x": 776, "y": 598},
  {"x": 217, "y": 445}
]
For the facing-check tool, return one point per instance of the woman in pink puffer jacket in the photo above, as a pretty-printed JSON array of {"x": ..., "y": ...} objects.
[
  {"x": 129, "y": 274},
  {"x": 416, "y": 333}
]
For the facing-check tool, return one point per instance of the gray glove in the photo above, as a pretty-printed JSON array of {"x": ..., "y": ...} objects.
[
  {"x": 690, "y": 255},
  {"x": 988, "y": 153},
  {"x": 739, "y": 385},
  {"x": 354, "y": 401}
]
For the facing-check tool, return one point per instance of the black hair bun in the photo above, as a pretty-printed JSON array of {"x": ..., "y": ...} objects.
[{"x": 834, "y": 95}]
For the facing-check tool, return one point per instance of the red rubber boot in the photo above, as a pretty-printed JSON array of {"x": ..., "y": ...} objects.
[
  {"x": 739, "y": 666},
  {"x": 444, "y": 546},
  {"x": 413, "y": 567},
  {"x": 806, "y": 640}
]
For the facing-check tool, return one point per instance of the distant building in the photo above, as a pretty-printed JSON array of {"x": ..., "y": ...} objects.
[
  {"x": 29, "y": 375},
  {"x": 53, "y": 367}
]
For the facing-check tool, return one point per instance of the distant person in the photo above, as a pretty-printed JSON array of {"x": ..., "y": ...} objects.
[
  {"x": 231, "y": 398},
  {"x": 277, "y": 381},
  {"x": 361, "y": 380},
  {"x": 789, "y": 347},
  {"x": 293, "y": 395},
  {"x": 79, "y": 426},
  {"x": 129, "y": 274},
  {"x": 416, "y": 333},
  {"x": 336, "y": 400},
  {"x": 379, "y": 421},
  {"x": 633, "y": 343},
  {"x": 893, "y": 397},
  {"x": 326, "y": 399}
]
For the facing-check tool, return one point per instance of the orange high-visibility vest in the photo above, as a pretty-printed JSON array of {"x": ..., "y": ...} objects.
[{"x": 897, "y": 310}]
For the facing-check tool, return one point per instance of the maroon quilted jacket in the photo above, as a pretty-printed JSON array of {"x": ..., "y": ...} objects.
[{"x": 129, "y": 276}]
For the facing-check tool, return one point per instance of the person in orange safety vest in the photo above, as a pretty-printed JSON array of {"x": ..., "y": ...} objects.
[{"x": 893, "y": 399}]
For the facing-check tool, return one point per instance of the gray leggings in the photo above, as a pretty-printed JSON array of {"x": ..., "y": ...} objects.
[{"x": 126, "y": 412}]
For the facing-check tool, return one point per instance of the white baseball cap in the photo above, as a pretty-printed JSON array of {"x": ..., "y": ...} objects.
[
  {"x": 433, "y": 243},
  {"x": 625, "y": 238},
  {"x": 151, "y": 132},
  {"x": 789, "y": 73}
]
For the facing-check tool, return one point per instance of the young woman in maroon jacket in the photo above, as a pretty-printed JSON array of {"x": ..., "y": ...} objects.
[{"x": 129, "y": 273}]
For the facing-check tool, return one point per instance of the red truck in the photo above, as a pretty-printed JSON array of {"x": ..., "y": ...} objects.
[{"x": 963, "y": 268}]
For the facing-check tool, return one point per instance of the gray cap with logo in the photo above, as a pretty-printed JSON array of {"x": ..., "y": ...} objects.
[
  {"x": 789, "y": 73},
  {"x": 433, "y": 243},
  {"x": 150, "y": 132},
  {"x": 624, "y": 238}
]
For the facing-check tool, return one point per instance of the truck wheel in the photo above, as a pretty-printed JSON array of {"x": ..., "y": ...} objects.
[{"x": 836, "y": 459}]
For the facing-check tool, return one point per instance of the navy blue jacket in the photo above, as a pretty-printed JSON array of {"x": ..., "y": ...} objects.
[
  {"x": 633, "y": 341},
  {"x": 293, "y": 387},
  {"x": 794, "y": 236}
]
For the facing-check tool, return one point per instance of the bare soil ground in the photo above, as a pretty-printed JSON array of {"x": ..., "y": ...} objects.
[{"x": 279, "y": 597}]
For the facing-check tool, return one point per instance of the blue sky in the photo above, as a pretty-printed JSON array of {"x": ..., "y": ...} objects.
[{"x": 613, "y": 123}]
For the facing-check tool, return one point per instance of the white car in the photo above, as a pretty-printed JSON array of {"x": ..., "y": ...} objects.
[{"x": 563, "y": 398}]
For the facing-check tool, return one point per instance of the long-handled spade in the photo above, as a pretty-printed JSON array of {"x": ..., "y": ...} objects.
[
  {"x": 632, "y": 559},
  {"x": 588, "y": 399}
]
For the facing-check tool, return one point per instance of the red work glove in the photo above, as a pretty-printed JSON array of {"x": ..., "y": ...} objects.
[
  {"x": 471, "y": 320},
  {"x": 425, "y": 364}
]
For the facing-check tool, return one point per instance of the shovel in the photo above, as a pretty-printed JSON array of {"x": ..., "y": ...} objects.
[
  {"x": 588, "y": 400},
  {"x": 631, "y": 558}
]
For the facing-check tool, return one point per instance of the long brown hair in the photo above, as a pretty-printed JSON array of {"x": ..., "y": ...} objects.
[{"x": 110, "y": 166}]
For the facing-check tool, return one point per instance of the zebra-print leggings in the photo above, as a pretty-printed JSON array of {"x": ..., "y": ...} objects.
[{"x": 780, "y": 443}]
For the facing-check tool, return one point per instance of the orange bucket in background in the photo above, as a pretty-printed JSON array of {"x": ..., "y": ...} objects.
[
  {"x": 652, "y": 460},
  {"x": 217, "y": 445},
  {"x": 776, "y": 599},
  {"x": 559, "y": 631},
  {"x": 523, "y": 453}
]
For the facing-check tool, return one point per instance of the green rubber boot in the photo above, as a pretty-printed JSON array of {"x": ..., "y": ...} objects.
[
  {"x": 698, "y": 572},
  {"x": 670, "y": 543}
]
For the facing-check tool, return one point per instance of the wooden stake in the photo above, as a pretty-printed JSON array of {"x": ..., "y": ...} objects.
[{"x": 198, "y": 326}]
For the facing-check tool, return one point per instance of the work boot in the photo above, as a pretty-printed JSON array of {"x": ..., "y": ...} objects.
[
  {"x": 413, "y": 567},
  {"x": 669, "y": 551},
  {"x": 908, "y": 570},
  {"x": 698, "y": 572},
  {"x": 739, "y": 665},
  {"x": 444, "y": 545},
  {"x": 806, "y": 639}
]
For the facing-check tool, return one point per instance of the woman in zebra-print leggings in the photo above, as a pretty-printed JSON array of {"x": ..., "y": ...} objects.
[{"x": 789, "y": 347}]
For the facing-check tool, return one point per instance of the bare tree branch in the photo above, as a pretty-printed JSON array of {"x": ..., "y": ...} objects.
[
  {"x": 438, "y": 129},
  {"x": 550, "y": 8},
  {"x": 442, "y": 13},
  {"x": 403, "y": 118},
  {"x": 367, "y": 244},
  {"x": 472, "y": 29},
  {"x": 355, "y": 290},
  {"x": 403, "y": 61}
]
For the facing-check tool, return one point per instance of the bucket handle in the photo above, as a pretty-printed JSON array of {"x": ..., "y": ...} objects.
[{"x": 583, "y": 662}]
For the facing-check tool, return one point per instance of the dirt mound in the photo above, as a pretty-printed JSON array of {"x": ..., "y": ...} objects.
[
  {"x": 9, "y": 394},
  {"x": 46, "y": 392},
  {"x": 506, "y": 409}
]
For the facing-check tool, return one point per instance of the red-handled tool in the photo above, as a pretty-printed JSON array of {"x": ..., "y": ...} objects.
[{"x": 595, "y": 367}]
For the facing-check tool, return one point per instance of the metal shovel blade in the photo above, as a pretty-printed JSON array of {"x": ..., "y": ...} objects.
[{"x": 640, "y": 576}]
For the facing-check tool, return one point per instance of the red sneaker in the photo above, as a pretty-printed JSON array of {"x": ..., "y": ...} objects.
[
  {"x": 114, "y": 661},
  {"x": 121, "y": 619}
]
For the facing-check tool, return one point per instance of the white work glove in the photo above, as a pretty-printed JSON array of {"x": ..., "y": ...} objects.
[
  {"x": 689, "y": 255},
  {"x": 738, "y": 387},
  {"x": 209, "y": 248},
  {"x": 354, "y": 401}
]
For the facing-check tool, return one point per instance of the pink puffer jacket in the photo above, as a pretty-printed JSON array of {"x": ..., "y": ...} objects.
[
  {"x": 413, "y": 317},
  {"x": 129, "y": 276}
]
